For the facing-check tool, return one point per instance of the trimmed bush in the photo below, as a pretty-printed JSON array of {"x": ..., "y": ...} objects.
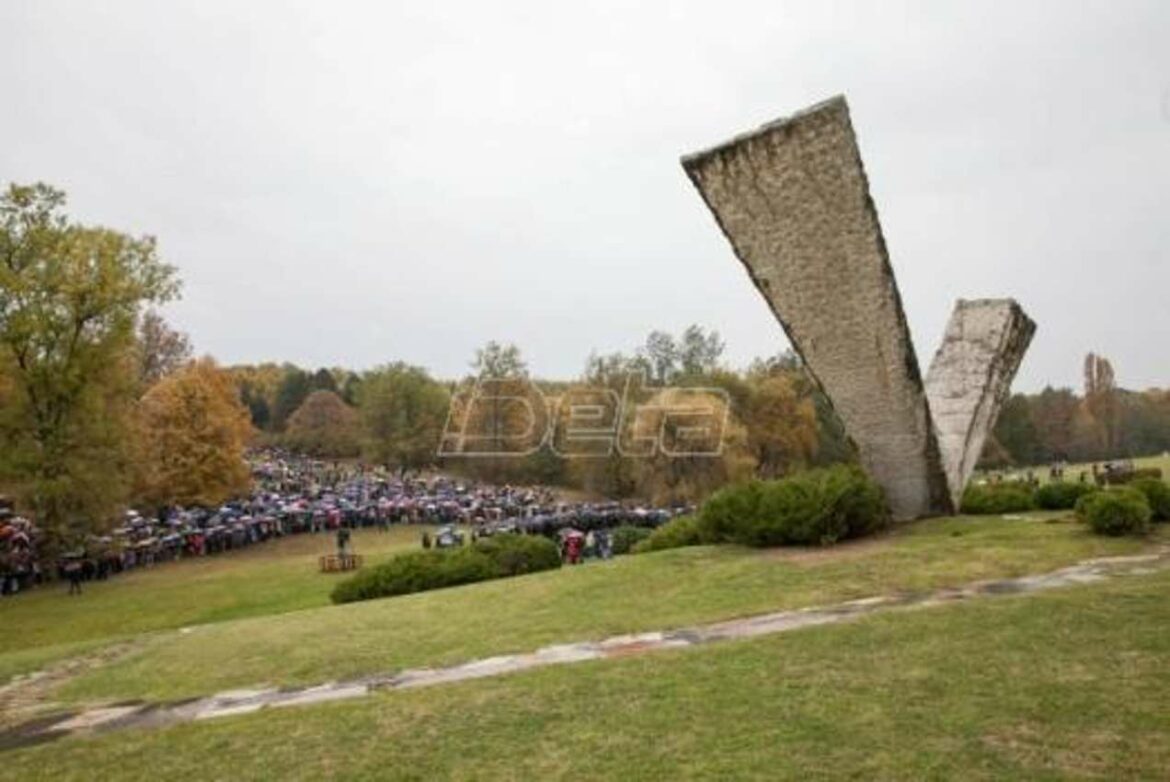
[
  {"x": 725, "y": 510},
  {"x": 419, "y": 571},
  {"x": 1157, "y": 494},
  {"x": 812, "y": 507},
  {"x": 516, "y": 555},
  {"x": 992, "y": 498},
  {"x": 1115, "y": 512},
  {"x": 676, "y": 533},
  {"x": 627, "y": 536},
  {"x": 1059, "y": 495}
]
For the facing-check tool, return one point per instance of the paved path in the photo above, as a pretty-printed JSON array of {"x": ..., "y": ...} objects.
[{"x": 224, "y": 704}]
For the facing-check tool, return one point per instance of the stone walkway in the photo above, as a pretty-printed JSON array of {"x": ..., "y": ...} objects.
[{"x": 224, "y": 704}]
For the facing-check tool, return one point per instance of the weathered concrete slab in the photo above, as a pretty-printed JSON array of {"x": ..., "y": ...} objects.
[
  {"x": 793, "y": 200},
  {"x": 970, "y": 378}
]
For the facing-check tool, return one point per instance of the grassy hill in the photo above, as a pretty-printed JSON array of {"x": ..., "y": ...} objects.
[{"x": 1063, "y": 684}]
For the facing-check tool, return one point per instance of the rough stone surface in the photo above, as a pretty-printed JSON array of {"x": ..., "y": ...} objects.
[
  {"x": 793, "y": 200},
  {"x": 970, "y": 377}
]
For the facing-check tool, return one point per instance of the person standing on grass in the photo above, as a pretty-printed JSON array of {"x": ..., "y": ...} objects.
[
  {"x": 73, "y": 573},
  {"x": 342, "y": 541}
]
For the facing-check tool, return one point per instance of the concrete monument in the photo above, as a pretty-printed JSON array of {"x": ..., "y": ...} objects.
[{"x": 793, "y": 200}]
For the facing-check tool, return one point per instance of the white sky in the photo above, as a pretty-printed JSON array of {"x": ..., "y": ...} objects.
[{"x": 354, "y": 183}]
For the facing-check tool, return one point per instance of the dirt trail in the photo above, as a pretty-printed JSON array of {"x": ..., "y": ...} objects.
[{"x": 30, "y": 695}]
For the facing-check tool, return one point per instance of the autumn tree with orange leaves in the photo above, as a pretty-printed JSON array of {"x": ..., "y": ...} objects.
[{"x": 192, "y": 433}]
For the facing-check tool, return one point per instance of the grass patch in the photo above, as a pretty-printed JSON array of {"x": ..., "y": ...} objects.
[
  {"x": 650, "y": 591},
  {"x": 259, "y": 580},
  {"x": 1069, "y": 684}
]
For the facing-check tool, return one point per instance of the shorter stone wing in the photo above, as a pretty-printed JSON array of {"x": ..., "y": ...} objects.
[{"x": 970, "y": 378}]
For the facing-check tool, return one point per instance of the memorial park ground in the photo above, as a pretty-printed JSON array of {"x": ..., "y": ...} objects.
[{"x": 1072, "y": 683}]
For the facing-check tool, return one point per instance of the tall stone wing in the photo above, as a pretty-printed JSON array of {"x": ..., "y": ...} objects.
[{"x": 793, "y": 199}]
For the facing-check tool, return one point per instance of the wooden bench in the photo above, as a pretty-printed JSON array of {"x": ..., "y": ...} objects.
[{"x": 336, "y": 563}]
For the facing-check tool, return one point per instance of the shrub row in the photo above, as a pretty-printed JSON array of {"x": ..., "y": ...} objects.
[
  {"x": 1005, "y": 497},
  {"x": 813, "y": 507},
  {"x": 1059, "y": 495},
  {"x": 682, "y": 531},
  {"x": 1011, "y": 497},
  {"x": 496, "y": 557}
]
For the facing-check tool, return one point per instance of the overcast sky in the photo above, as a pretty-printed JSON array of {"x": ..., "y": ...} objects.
[{"x": 355, "y": 183}]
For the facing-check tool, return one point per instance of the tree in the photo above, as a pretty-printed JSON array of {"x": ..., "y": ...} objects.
[
  {"x": 324, "y": 425},
  {"x": 781, "y": 426},
  {"x": 193, "y": 431},
  {"x": 661, "y": 356},
  {"x": 500, "y": 372},
  {"x": 161, "y": 349},
  {"x": 351, "y": 388},
  {"x": 69, "y": 299},
  {"x": 832, "y": 444},
  {"x": 495, "y": 360},
  {"x": 664, "y": 477},
  {"x": 601, "y": 368},
  {"x": 1054, "y": 413},
  {"x": 291, "y": 392},
  {"x": 786, "y": 361},
  {"x": 402, "y": 412},
  {"x": 698, "y": 351},
  {"x": 1015, "y": 431},
  {"x": 258, "y": 385},
  {"x": 1101, "y": 399},
  {"x": 323, "y": 380}
]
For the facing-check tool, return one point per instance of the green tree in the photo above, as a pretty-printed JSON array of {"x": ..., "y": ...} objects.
[
  {"x": 1016, "y": 432},
  {"x": 660, "y": 354},
  {"x": 495, "y": 360},
  {"x": 70, "y": 296},
  {"x": 402, "y": 412},
  {"x": 290, "y": 394},
  {"x": 699, "y": 351},
  {"x": 351, "y": 388},
  {"x": 323, "y": 380}
]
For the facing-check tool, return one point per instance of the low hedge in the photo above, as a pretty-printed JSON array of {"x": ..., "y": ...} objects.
[
  {"x": 994, "y": 498},
  {"x": 1157, "y": 494},
  {"x": 812, "y": 507},
  {"x": 1059, "y": 495},
  {"x": 676, "y": 533},
  {"x": 1115, "y": 512},
  {"x": 626, "y": 537},
  {"x": 497, "y": 557}
]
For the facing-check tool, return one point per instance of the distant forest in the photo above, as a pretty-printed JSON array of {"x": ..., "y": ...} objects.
[{"x": 1103, "y": 422}]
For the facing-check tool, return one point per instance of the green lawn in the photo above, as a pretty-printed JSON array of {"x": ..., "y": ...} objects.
[
  {"x": 1073, "y": 684},
  {"x": 1073, "y": 470},
  {"x": 644, "y": 592},
  {"x": 45, "y": 623}
]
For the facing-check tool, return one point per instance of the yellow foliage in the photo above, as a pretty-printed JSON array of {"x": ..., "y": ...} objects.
[{"x": 193, "y": 431}]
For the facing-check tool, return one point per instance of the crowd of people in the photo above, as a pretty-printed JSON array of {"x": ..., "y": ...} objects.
[{"x": 295, "y": 495}]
